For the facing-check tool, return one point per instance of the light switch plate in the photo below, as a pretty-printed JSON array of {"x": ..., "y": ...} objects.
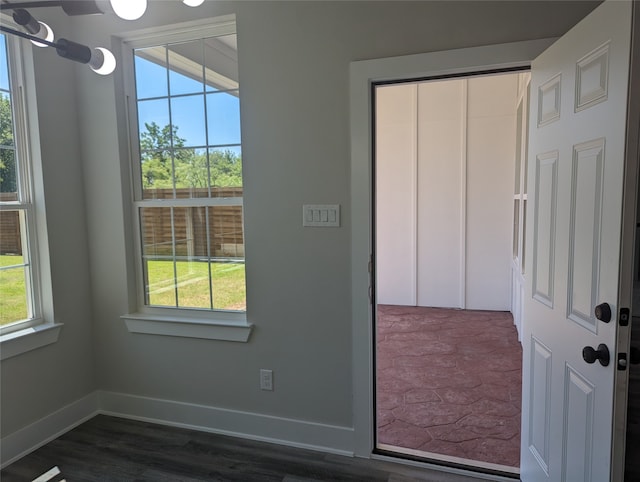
[{"x": 321, "y": 215}]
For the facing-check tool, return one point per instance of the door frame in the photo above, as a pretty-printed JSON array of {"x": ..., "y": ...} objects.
[
  {"x": 630, "y": 194},
  {"x": 363, "y": 76}
]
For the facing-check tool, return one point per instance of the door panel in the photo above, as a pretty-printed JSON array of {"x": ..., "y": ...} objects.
[
  {"x": 584, "y": 234},
  {"x": 540, "y": 404},
  {"x": 578, "y": 427},
  {"x": 546, "y": 181},
  {"x": 577, "y": 139}
]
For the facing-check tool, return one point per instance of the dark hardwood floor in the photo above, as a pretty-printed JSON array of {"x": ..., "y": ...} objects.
[{"x": 114, "y": 449}]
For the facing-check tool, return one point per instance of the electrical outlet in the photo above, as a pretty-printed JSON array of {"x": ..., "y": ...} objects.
[{"x": 266, "y": 379}]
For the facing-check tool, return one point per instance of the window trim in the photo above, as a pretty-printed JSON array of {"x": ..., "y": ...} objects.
[
  {"x": 169, "y": 321},
  {"x": 41, "y": 329}
]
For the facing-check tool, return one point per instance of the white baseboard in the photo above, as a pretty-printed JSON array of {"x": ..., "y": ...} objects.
[
  {"x": 266, "y": 428},
  {"x": 37, "y": 434}
]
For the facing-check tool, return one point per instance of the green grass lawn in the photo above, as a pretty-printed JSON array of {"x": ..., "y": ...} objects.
[
  {"x": 13, "y": 301},
  {"x": 228, "y": 280}
]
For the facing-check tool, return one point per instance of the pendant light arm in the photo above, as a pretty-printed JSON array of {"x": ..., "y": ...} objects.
[
  {"x": 33, "y": 38},
  {"x": 100, "y": 60},
  {"x": 70, "y": 7},
  {"x": 14, "y": 5}
]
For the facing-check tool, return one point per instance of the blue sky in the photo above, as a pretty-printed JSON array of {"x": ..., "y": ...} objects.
[
  {"x": 188, "y": 108},
  {"x": 4, "y": 71}
]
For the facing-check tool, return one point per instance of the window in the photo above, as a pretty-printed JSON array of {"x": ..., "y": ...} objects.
[
  {"x": 18, "y": 297},
  {"x": 21, "y": 307},
  {"x": 184, "y": 122}
]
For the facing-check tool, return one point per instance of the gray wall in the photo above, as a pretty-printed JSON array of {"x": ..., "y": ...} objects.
[
  {"x": 39, "y": 382},
  {"x": 294, "y": 59}
]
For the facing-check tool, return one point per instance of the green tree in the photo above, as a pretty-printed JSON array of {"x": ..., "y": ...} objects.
[
  {"x": 7, "y": 151},
  {"x": 164, "y": 158},
  {"x": 158, "y": 145},
  {"x": 226, "y": 169},
  {"x": 191, "y": 171}
]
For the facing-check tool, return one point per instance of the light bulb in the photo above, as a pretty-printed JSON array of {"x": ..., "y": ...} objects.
[
  {"x": 33, "y": 26},
  {"x": 129, "y": 9},
  {"x": 102, "y": 61},
  {"x": 193, "y": 3},
  {"x": 45, "y": 33}
]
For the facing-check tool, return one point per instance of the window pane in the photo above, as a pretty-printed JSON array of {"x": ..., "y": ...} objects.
[
  {"x": 223, "y": 116},
  {"x": 157, "y": 238},
  {"x": 10, "y": 233},
  {"x": 153, "y": 124},
  {"x": 157, "y": 178},
  {"x": 221, "y": 62},
  {"x": 6, "y": 121},
  {"x": 194, "y": 289},
  {"x": 14, "y": 272},
  {"x": 158, "y": 255},
  {"x": 227, "y": 233},
  {"x": 192, "y": 173},
  {"x": 185, "y": 66},
  {"x": 226, "y": 171},
  {"x": 4, "y": 64},
  {"x": 8, "y": 175},
  {"x": 187, "y": 116},
  {"x": 159, "y": 285},
  {"x": 228, "y": 273},
  {"x": 13, "y": 291},
  {"x": 192, "y": 266},
  {"x": 151, "y": 73},
  {"x": 229, "y": 286},
  {"x": 155, "y": 146}
]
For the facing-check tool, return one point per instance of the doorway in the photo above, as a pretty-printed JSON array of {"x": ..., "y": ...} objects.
[
  {"x": 543, "y": 427},
  {"x": 448, "y": 261}
]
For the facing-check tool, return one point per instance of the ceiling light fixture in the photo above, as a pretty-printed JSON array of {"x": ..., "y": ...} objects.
[
  {"x": 129, "y": 9},
  {"x": 33, "y": 26},
  {"x": 100, "y": 60}
]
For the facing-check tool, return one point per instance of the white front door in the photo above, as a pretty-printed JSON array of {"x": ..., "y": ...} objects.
[{"x": 579, "y": 91}]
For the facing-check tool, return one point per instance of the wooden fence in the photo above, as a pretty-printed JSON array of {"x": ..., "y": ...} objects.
[
  {"x": 226, "y": 234},
  {"x": 10, "y": 240}
]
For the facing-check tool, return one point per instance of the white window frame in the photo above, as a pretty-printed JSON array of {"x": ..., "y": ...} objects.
[
  {"x": 39, "y": 329},
  {"x": 170, "y": 321}
]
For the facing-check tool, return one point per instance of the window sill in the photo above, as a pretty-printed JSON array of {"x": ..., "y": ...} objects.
[
  {"x": 151, "y": 324},
  {"x": 22, "y": 341}
]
